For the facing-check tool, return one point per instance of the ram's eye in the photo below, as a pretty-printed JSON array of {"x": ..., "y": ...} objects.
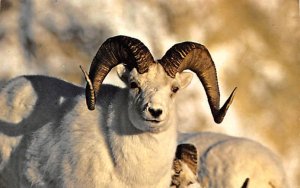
[
  {"x": 174, "y": 89},
  {"x": 133, "y": 85}
]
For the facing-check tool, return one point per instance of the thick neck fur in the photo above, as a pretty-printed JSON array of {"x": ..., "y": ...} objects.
[{"x": 140, "y": 158}]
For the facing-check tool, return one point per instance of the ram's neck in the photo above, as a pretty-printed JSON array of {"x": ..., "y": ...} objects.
[{"x": 141, "y": 158}]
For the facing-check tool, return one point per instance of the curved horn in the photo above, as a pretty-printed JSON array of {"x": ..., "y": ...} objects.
[
  {"x": 194, "y": 56},
  {"x": 115, "y": 50}
]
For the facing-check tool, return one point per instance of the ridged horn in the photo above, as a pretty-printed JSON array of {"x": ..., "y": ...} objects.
[
  {"x": 188, "y": 154},
  {"x": 115, "y": 50},
  {"x": 245, "y": 184},
  {"x": 195, "y": 57}
]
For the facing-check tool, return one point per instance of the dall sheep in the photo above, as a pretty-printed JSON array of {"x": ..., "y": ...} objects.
[
  {"x": 185, "y": 166},
  {"x": 50, "y": 139},
  {"x": 226, "y": 161}
]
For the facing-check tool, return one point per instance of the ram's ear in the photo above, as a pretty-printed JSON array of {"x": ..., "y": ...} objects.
[
  {"x": 123, "y": 73},
  {"x": 185, "y": 78}
]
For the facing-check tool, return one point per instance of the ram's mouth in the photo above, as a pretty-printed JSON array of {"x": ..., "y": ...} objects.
[{"x": 152, "y": 120}]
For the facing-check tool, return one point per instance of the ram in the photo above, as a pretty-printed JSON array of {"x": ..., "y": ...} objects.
[
  {"x": 226, "y": 161},
  {"x": 186, "y": 167},
  {"x": 127, "y": 138}
]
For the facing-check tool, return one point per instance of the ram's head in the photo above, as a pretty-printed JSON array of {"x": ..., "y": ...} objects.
[{"x": 153, "y": 84}]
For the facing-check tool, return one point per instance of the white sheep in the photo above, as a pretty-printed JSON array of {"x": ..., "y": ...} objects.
[
  {"x": 226, "y": 161},
  {"x": 185, "y": 166},
  {"x": 48, "y": 138}
]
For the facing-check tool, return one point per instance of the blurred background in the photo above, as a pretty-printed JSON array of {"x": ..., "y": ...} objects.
[{"x": 255, "y": 45}]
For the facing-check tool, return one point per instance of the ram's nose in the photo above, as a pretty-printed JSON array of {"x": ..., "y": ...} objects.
[{"x": 155, "y": 112}]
